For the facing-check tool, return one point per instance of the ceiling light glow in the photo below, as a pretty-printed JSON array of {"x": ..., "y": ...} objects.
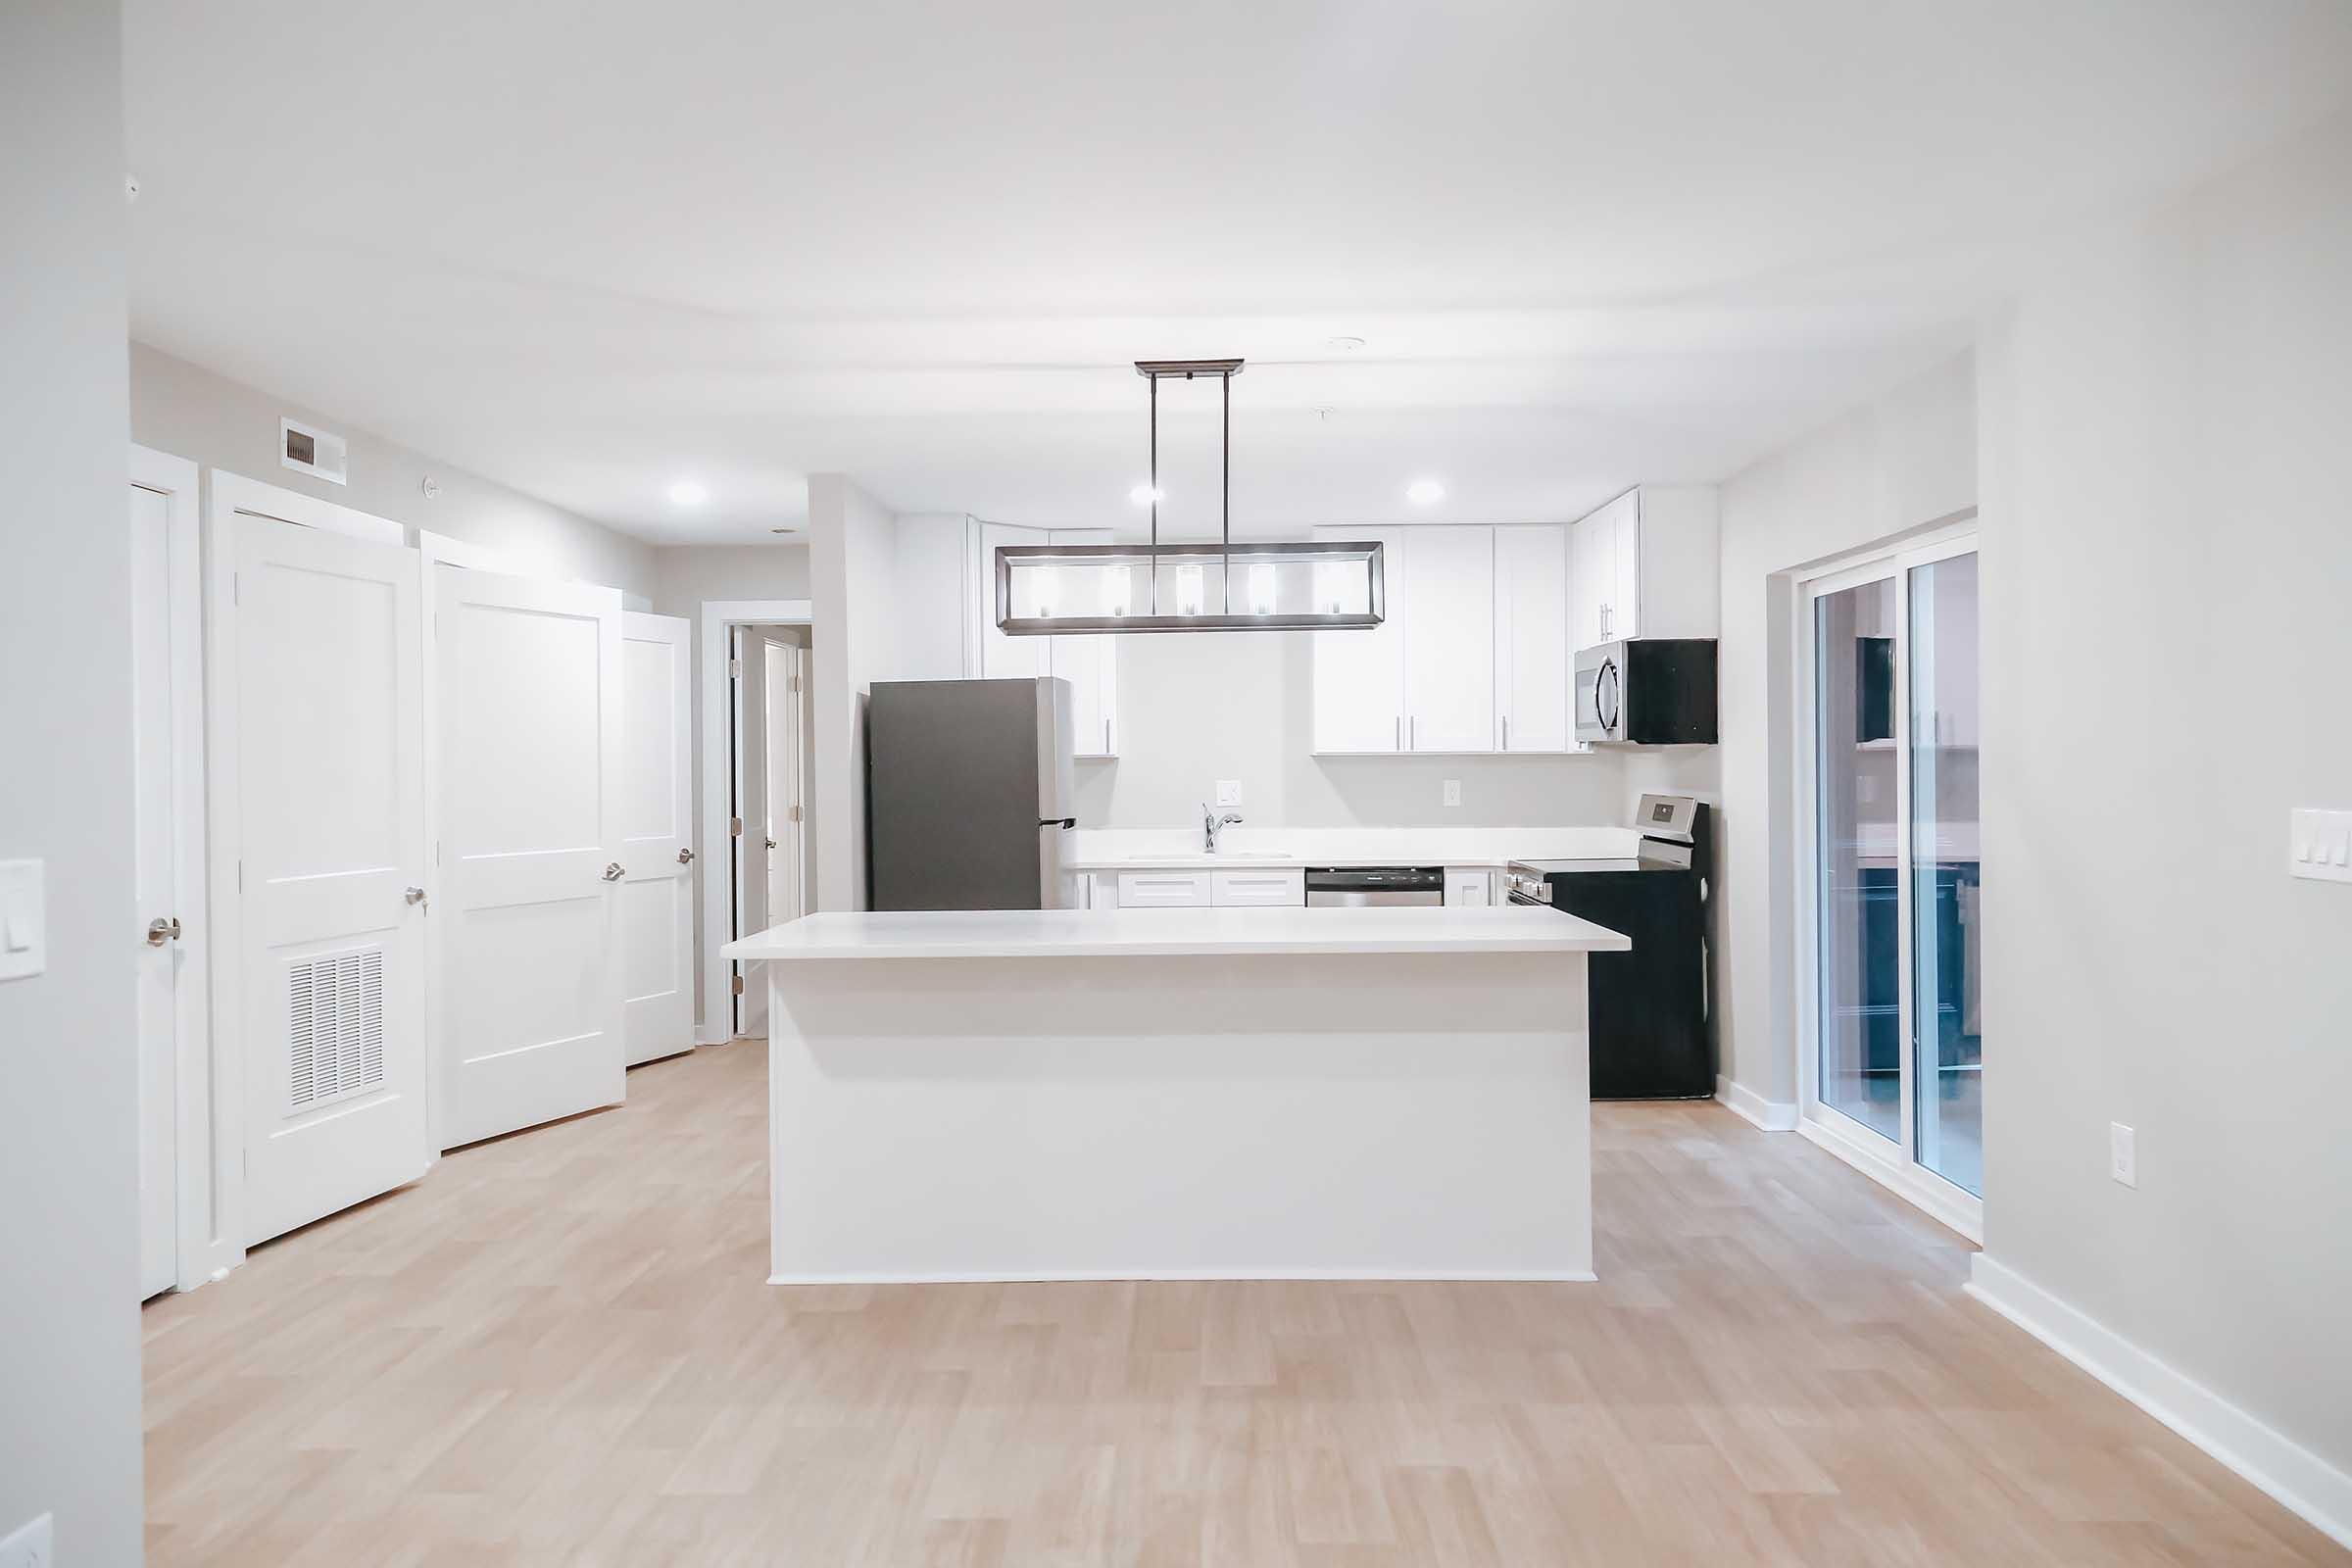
[
  {"x": 686, "y": 493},
  {"x": 1421, "y": 492}
]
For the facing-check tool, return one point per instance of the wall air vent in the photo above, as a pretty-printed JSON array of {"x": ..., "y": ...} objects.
[
  {"x": 335, "y": 1034},
  {"x": 316, "y": 453}
]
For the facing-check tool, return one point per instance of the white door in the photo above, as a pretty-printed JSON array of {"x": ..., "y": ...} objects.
[
  {"x": 1359, "y": 674},
  {"x": 529, "y": 993},
  {"x": 748, "y": 662},
  {"x": 329, "y": 805},
  {"x": 1449, "y": 640},
  {"x": 784, "y": 683},
  {"x": 1531, "y": 637},
  {"x": 161, "y": 903},
  {"x": 657, "y": 831}
]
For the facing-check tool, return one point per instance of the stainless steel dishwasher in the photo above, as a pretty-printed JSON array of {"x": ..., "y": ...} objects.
[{"x": 1366, "y": 885}]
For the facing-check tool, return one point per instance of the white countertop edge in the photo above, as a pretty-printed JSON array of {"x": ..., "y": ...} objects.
[{"x": 1174, "y": 933}]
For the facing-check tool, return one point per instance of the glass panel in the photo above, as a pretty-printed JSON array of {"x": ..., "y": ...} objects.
[
  {"x": 1946, "y": 936},
  {"x": 1860, "y": 1004}
]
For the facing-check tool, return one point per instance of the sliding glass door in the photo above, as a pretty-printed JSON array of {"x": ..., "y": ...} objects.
[{"x": 1895, "y": 1058}]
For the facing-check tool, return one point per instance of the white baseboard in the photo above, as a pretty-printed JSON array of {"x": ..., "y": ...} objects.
[
  {"x": 1773, "y": 1115},
  {"x": 2300, "y": 1480}
]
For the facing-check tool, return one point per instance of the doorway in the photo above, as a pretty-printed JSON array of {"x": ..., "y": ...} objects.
[
  {"x": 1893, "y": 1048},
  {"x": 769, "y": 739}
]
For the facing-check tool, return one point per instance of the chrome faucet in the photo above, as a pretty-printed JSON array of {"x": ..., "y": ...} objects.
[{"x": 1212, "y": 824}]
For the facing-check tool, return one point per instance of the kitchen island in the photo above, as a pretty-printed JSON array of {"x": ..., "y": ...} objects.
[{"x": 1178, "y": 1094}]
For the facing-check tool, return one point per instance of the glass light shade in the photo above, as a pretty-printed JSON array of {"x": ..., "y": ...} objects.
[{"x": 1061, "y": 590}]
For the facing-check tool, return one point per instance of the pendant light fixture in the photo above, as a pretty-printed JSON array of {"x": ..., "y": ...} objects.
[{"x": 1057, "y": 590}]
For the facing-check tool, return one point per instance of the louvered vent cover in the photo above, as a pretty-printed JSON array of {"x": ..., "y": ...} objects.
[{"x": 338, "y": 1033}]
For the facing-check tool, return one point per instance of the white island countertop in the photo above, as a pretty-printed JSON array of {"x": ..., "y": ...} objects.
[{"x": 1158, "y": 933}]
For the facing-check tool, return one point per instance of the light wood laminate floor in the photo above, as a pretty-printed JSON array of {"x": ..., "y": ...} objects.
[{"x": 558, "y": 1348}]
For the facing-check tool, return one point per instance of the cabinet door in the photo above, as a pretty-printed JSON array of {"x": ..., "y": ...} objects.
[
  {"x": 1091, "y": 664},
  {"x": 1359, "y": 675},
  {"x": 1449, "y": 640},
  {"x": 1531, "y": 652},
  {"x": 1589, "y": 581},
  {"x": 1625, "y": 596},
  {"x": 1258, "y": 889},
  {"x": 1004, "y": 658},
  {"x": 1163, "y": 890}
]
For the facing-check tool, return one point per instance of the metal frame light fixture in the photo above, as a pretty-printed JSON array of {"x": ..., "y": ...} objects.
[{"x": 1057, "y": 590}]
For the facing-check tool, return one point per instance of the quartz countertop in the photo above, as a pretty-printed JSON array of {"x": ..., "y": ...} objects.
[
  {"x": 1174, "y": 933},
  {"x": 1245, "y": 847}
]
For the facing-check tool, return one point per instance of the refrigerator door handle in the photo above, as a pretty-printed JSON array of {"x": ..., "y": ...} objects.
[{"x": 1056, "y": 821}]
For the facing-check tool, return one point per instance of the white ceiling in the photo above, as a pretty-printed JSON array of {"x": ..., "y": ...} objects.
[{"x": 591, "y": 249}]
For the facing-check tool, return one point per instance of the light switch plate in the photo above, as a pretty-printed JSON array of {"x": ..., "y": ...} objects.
[
  {"x": 24, "y": 920},
  {"x": 1229, "y": 792},
  {"x": 2319, "y": 844},
  {"x": 1454, "y": 792},
  {"x": 30, "y": 1546},
  {"x": 2123, "y": 1153}
]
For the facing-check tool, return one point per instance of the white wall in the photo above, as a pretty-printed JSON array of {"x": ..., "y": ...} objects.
[
  {"x": 69, "y": 1217},
  {"x": 188, "y": 410},
  {"x": 2169, "y": 601},
  {"x": 853, "y": 549},
  {"x": 1890, "y": 468}
]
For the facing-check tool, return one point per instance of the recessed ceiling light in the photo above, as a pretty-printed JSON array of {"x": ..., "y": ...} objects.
[
  {"x": 1343, "y": 345},
  {"x": 1143, "y": 495},
  {"x": 686, "y": 493},
  {"x": 1421, "y": 492}
]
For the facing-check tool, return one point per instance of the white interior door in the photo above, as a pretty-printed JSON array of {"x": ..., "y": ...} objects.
[
  {"x": 784, "y": 683},
  {"x": 749, "y": 664},
  {"x": 657, "y": 895},
  {"x": 530, "y": 991},
  {"x": 159, "y": 899},
  {"x": 329, "y": 807}
]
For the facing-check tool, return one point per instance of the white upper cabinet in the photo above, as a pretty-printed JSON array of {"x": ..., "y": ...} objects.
[
  {"x": 1449, "y": 640},
  {"x": 1475, "y": 644},
  {"x": 1359, "y": 674},
  {"x": 1090, "y": 663},
  {"x": 1532, "y": 651},
  {"x": 1645, "y": 565}
]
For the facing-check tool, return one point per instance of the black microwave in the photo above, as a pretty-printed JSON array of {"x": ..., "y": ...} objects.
[{"x": 1647, "y": 691}]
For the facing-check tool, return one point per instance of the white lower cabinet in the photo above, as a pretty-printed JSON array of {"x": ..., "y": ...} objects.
[
  {"x": 1469, "y": 890},
  {"x": 1268, "y": 889}
]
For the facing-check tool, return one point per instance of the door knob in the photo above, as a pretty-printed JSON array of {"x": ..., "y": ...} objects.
[
  {"x": 162, "y": 931},
  {"x": 414, "y": 895},
  {"x": 685, "y": 857},
  {"x": 772, "y": 843},
  {"x": 614, "y": 871}
]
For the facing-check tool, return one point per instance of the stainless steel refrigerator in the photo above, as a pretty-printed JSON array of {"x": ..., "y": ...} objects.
[{"x": 969, "y": 795}]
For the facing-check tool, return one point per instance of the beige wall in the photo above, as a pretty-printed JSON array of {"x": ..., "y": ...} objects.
[
  {"x": 2169, "y": 609},
  {"x": 188, "y": 410},
  {"x": 69, "y": 1160}
]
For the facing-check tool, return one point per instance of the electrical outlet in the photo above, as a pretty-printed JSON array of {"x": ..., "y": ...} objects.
[
  {"x": 2123, "y": 1153},
  {"x": 29, "y": 1548},
  {"x": 1454, "y": 792},
  {"x": 1229, "y": 792}
]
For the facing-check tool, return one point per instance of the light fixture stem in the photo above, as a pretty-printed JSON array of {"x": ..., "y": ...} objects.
[
  {"x": 1225, "y": 522},
  {"x": 1151, "y": 566}
]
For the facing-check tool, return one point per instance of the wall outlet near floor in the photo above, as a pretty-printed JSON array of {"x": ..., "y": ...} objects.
[
  {"x": 1454, "y": 792},
  {"x": 1229, "y": 792},
  {"x": 29, "y": 1548},
  {"x": 2123, "y": 1153}
]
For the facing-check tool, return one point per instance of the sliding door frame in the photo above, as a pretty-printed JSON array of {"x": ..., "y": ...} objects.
[{"x": 1894, "y": 1164}]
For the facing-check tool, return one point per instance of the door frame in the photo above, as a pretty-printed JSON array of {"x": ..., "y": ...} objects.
[
  {"x": 221, "y": 1155},
  {"x": 713, "y": 999},
  {"x": 179, "y": 482},
  {"x": 1894, "y": 1165},
  {"x": 795, "y": 712}
]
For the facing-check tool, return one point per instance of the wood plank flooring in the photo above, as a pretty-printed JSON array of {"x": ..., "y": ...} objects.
[{"x": 558, "y": 1349}]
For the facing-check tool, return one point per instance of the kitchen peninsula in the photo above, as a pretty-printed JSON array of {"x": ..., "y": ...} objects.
[{"x": 1178, "y": 1094}]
